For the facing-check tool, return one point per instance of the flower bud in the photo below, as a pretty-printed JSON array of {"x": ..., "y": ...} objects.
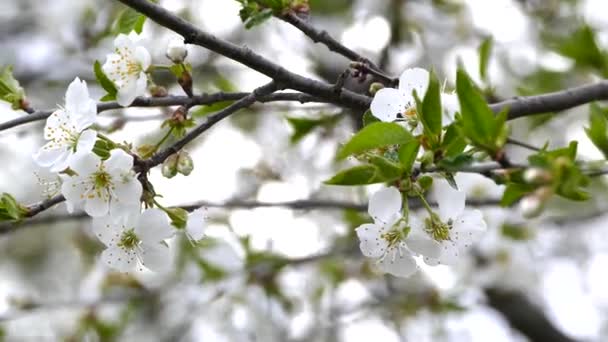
[
  {"x": 374, "y": 87},
  {"x": 178, "y": 216},
  {"x": 537, "y": 175},
  {"x": 530, "y": 206},
  {"x": 184, "y": 163},
  {"x": 176, "y": 50},
  {"x": 169, "y": 169}
]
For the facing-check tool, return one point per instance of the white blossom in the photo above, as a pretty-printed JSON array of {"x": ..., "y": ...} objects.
[
  {"x": 196, "y": 224},
  {"x": 176, "y": 50},
  {"x": 389, "y": 104},
  {"x": 135, "y": 241},
  {"x": 127, "y": 66},
  {"x": 454, "y": 227},
  {"x": 390, "y": 240},
  {"x": 66, "y": 130},
  {"x": 102, "y": 186}
]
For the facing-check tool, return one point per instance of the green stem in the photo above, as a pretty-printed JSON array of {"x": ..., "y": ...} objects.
[
  {"x": 163, "y": 139},
  {"x": 425, "y": 204}
]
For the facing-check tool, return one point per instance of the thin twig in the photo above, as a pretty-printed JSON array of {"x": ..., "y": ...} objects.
[
  {"x": 203, "y": 99},
  {"x": 522, "y": 144}
]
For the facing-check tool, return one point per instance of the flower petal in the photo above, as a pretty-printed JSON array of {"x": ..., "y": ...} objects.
[
  {"x": 127, "y": 92},
  {"x": 197, "y": 222},
  {"x": 451, "y": 106},
  {"x": 119, "y": 160},
  {"x": 142, "y": 56},
  {"x": 107, "y": 230},
  {"x": 451, "y": 201},
  {"x": 96, "y": 206},
  {"x": 127, "y": 193},
  {"x": 399, "y": 263},
  {"x": 387, "y": 104},
  {"x": 414, "y": 79},
  {"x": 73, "y": 189},
  {"x": 420, "y": 242},
  {"x": 384, "y": 204},
  {"x": 119, "y": 258},
  {"x": 86, "y": 141},
  {"x": 153, "y": 226},
  {"x": 48, "y": 156},
  {"x": 85, "y": 164},
  {"x": 78, "y": 103},
  {"x": 372, "y": 244},
  {"x": 156, "y": 257}
]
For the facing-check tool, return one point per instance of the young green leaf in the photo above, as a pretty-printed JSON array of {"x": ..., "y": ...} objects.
[
  {"x": 105, "y": 83},
  {"x": 129, "y": 20},
  {"x": 358, "y": 175},
  {"x": 408, "y": 153},
  {"x": 303, "y": 126},
  {"x": 379, "y": 134},
  {"x": 431, "y": 109},
  {"x": 369, "y": 118},
  {"x": 387, "y": 170},
  {"x": 485, "y": 50},
  {"x": 10, "y": 90},
  {"x": 514, "y": 192},
  {"x": 598, "y": 128}
]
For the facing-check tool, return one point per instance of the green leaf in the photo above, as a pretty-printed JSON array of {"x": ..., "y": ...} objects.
[
  {"x": 303, "y": 126},
  {"x": 105, "y": 83},
  {"x": 514, "y": 192},
  {"x": 10, "y": 209},
  {"x": 10, "y": 90},
  {"x": 408, "y": 153},
  {"x": 369, "y": 118},
  {"x": 583, "y": 48},
  {"x": 455, "y": 163},
  {"x": 129, "y": 20},
  {"x": 478, "y": 121},
  {"x": 376, "y": 135},
  {"x": 387, "y": 170},
  {"x": 516, "y": 232},
  {"x": 598, "y": 128},
  {"x": 431, "y": 110},
  {"x": 453, "y": 142},
  {"x": 485, "y": 50},
  {"x": 358, "y": 175}
]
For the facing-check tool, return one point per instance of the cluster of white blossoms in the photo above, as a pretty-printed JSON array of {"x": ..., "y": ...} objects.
[
  {"x": 107, "y": 189},
  {"x": 398, "y": 234},
  {"x": 390, "y": 104}
]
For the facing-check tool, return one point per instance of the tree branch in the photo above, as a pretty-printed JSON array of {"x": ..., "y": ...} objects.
[
  {"x": 322, "y": 36},
  {"x": 203, "y": 99},
  {"x": 524, "y": 316},
  {"x": 246, "y": 101},
  {"x": 245, "y": 56},
  {"x": 553, "y": 102}
]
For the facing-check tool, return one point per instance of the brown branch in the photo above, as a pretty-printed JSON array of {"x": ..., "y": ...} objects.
[{"x": 245, "y": 56}]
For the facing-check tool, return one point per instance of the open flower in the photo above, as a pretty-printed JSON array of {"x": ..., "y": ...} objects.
[
  {"x": 102, "y": 186},
  {"x": 392, "y": 241},
  {"x": 135, "y": 241},
  {"x": 455, "y": 227},
  {"x": 126, "y": 67},
  {"x": 65, "y": 129},
  {"x": 196, "y": 224},
  {"x": 389, "y": 104}
]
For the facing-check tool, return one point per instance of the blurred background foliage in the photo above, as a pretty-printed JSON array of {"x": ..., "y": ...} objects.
[{"x": 276, "y": 274}]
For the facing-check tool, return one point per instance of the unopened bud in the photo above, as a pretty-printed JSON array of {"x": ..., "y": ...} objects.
[
  {"x": 176, "y": 50},
  {"x": 530, "y": 206},
  {"x": 178, "y": 216},
  {"x": 537, "y": 175},
  {"x": 374, "y": 87},
  {"x": 427, "y": 158},
  {"x": 184, "y": 163},
  {"x": 158, "y": 91},
  {"x": 169, "y": 169}
]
